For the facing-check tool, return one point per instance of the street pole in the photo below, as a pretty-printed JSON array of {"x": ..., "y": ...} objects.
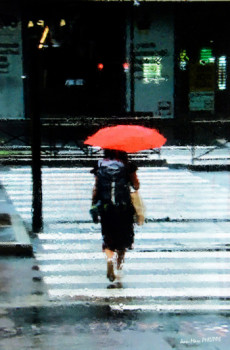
[
  {"x": 37, "y": 221},
  {"x": 132, "y": 68}
]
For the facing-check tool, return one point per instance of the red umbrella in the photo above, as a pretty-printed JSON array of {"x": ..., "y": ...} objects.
[{"x": 128, "y": 138}]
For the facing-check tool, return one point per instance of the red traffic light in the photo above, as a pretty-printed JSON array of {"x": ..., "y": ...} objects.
[
  {"x": 126, "y": 66},
  {"x": 100, "y": 66}
]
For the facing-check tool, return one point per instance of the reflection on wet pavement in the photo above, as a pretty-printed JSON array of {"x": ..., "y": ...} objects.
[{"x": 83, "y": 328}]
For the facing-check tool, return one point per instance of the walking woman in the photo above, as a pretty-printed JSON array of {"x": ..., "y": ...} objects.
[{"x": 114, "y": 177}]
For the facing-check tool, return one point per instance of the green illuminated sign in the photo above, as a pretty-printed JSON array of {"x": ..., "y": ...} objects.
[{"x": 206, "y": 56}]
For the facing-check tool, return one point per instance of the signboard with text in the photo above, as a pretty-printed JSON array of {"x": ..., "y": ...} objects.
[{"x": 11, "y": 74}]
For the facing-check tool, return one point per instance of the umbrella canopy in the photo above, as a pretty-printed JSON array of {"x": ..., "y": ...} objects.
[{"x": 128, "y": 138}]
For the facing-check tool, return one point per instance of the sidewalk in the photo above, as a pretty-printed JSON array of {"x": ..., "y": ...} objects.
[
  {"x": 14, "y": 238},
  {"x": 207, "y": 158}
]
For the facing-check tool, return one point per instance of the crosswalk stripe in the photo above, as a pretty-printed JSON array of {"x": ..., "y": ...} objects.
[
  {"x": 143, "y": 236},
  {"x": 75, "y": 198},
  {"x": 151, "y": 172},
  {"x": 74, "y": 248},
  {"x": 171, "y": 307},
  {"x": 150, "y": 278},
  {"x": 189, "y": 259},
  {"x": 144, "y": 182},
  {"x": 85, "y": 208},
  {"x": 154, "y": 216},
  {"x": 137, "y": 255},
  {"x": 143, "y": 292},
  {"x": 129, "y": 266},
  {"x": 70, "y": 174}
]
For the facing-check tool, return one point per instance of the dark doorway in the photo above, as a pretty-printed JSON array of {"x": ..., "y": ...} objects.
[{"x": 81, "y": 59}]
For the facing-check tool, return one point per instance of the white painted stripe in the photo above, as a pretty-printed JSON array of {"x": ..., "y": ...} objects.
[
  {"x": 150, "y": 172},
  {"x": 172, "y": 278},
  {"x": 70, "y": 182},
  {"x": 128, "y": 266},
  {"x": 86, "y": 172},
  {"x": 138, "y": 236},
  {"x": 72, "y": 247},
  {"x": 53, "y": 170},
  {"x": 171, "y": 307},
  {"x": 145, "y": 235},
  {"x": 166, "y": 197},
  {"x": 222, "y": 198},
  {"x": 70, "y": 225},
  {"x": 73, "y": 183},
  {"x": 64, "y": 236},
  {"x": 186, "y": 235},
  {"x": 59, "y": 210},
  {"x": 138, "y": 255},
  {"x": 157, "y": 216},
  {"x": 141, "y": 293},
  {"x": 19, "y": 184},
  {"x": 78, "y": 177},
  {"x": 16, "y": 183},
  {"x": 57, "y": 216},
  {"x": 75, "y": 246},
  {"x": 83, "y": 214},
  {"x": 157, "y": 204},
  {"x": 82, "y": 206},
  {"x": 50, "y": 196},
  {"x": 161, "y": 181},
  {"x": 181, "y": 245}
]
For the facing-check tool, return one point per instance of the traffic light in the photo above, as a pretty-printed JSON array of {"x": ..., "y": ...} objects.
[{"x": 100, "y": 66}]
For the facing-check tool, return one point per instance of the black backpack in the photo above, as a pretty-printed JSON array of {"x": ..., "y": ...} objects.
[{"x": 113, "y": 183}]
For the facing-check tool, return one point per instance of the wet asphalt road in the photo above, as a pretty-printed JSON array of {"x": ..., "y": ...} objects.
[
  {"x": 192, "y": 211},
  {"x": 87, "y": 327}
]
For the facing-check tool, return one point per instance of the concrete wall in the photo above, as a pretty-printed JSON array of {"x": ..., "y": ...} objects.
[
  {"x": 153, "y": 65},
  {"x": 11, "y": 84}
]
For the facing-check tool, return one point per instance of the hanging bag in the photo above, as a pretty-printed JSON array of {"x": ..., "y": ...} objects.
[{"x": 139, "y": 207}]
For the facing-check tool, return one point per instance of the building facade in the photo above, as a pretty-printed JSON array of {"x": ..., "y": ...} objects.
[{"x": 163, "y": 60}]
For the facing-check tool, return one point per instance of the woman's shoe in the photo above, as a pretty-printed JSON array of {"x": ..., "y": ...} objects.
[
  {"x": 110, "y": 270},
  {"x": 116, "y": 285}
]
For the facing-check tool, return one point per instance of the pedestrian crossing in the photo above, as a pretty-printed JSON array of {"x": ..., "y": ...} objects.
[{"x": 181, "y": 258}]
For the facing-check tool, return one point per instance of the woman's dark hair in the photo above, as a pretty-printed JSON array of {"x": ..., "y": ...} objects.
[{"x": 114, "y": 154}]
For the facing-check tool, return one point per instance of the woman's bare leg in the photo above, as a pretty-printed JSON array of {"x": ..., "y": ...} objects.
[
  {"x": 110, "y": 267},
  {"x": 120, "y": 259},
  {"x": 109, "y": 254}
]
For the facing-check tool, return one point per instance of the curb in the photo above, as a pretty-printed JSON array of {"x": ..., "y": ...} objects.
[
  {"x": 16, "y": 249},
  {"x": 16, "y": 237}
]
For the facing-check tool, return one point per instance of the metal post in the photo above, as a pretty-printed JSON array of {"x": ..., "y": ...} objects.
[
  {"x": 193, "y": 148},
  {"x": 132, "y": 61},
  {"x": 37, "y": 220}
]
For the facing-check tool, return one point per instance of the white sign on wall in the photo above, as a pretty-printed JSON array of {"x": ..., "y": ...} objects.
[{"x": 11, "y": 84}]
